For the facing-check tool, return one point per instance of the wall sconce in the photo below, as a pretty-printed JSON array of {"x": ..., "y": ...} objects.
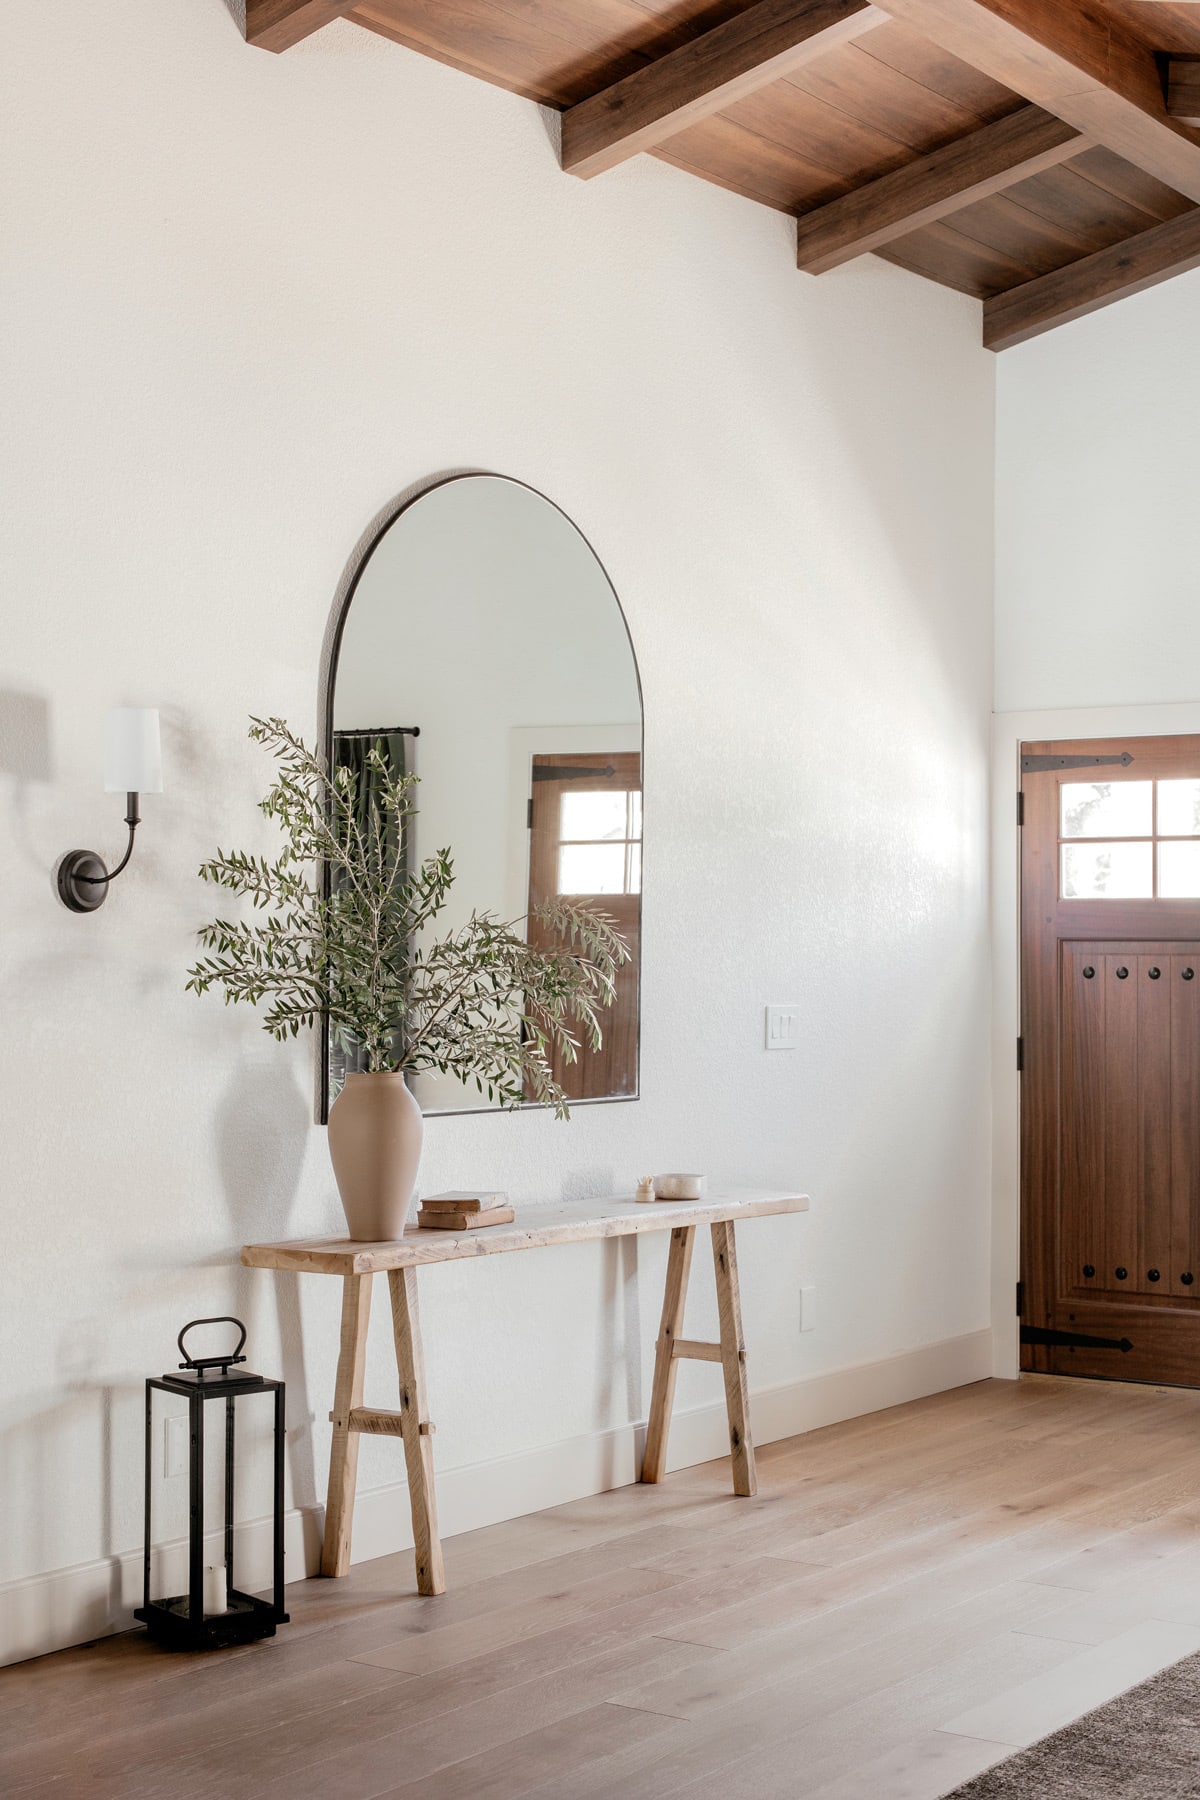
[{"x": 132, "y": 766}]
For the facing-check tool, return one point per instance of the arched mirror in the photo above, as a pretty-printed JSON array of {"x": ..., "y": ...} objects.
[{"x": 483, "y": 647}]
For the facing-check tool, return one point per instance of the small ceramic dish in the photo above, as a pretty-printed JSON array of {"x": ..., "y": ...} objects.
[{"x": 679, "y": 1187}]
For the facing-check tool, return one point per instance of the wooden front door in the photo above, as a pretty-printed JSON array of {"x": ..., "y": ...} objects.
[
  {"x": 1110, "y": 1024},
  {"x": 585, "y": 824}
]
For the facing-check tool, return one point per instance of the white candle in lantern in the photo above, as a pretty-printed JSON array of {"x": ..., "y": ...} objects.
[{"x": 214, "y": 1591}]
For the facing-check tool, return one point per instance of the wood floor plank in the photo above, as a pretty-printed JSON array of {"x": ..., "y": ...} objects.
[
  {"x": 807, "y": 1745},
  {"x": 786, "y": 1741},
  {"x": 494, "y": 1631},
  {"x": 915, "y": 1629},
  {"x": 427, "y": 1738},
  {"x": 921, "y": 1768},
  {"x": 1034, "y": 1709},
  {"x": 198, "y": 1738},
  {"x": 818, "y": 1591},
  {"x": 1094, "y": 1618},
  {"x": 1137, "y": 1551},
  {"x": 660, "y": 1606},
  {"x": 523, "y": 1768}
]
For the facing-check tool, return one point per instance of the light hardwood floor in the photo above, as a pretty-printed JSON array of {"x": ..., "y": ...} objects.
[{"x": 910, "y": 1596}]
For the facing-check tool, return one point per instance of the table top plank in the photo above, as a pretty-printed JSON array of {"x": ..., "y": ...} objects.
[{"x": 566, "y": 1222}]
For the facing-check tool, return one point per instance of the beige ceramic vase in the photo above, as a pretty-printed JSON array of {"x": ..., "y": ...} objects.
[{"x": 375, "y": 1132}]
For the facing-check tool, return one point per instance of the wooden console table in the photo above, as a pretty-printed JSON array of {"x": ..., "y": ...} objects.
[{"x": 569, "y": 1223}]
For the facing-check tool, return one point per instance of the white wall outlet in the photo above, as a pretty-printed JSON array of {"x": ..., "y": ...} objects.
[
  {"x": 783, "y": 1027},
  {"x": 808, "y": 1308},
  {"x": 175, "y": 1445}
]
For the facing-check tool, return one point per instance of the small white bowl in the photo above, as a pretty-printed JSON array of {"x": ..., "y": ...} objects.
[{"x": 679, "y": 1187}]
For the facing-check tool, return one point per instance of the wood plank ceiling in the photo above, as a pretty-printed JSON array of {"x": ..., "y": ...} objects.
[{"x": 1041, "y": 155}]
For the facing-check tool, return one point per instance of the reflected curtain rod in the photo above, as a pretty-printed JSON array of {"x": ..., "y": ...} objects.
[{"x": 378, "y": 731}]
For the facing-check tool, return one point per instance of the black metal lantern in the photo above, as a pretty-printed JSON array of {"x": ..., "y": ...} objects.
[{"x": 196, "y": 1621}]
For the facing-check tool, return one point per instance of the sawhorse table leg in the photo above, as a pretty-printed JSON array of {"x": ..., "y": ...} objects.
[
  {"x": 351, "y": 1418},
  {"x": 416, "y": 1430},
  {"x": 733, "y": 1358},
  {"x": 347, "y": 1397},
  {"x": 730, "y": 1353}
]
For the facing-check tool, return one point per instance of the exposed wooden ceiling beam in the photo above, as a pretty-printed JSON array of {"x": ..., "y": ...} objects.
[
  {"x": 1076, "y": 62},
  {"x": 1183, "y": 89},
  {"x": 972, "y": 167},
  {"x": 747, "y": 52},
  {"x": 278, "y": 24},
  {"x": 1092, "y": 282}
]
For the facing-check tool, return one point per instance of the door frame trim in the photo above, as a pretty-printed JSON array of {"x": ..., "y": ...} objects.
[{"x": 1009, "y": 731}]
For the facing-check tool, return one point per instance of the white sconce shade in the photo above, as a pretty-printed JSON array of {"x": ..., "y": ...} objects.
[{"x": 132, "y": 751}]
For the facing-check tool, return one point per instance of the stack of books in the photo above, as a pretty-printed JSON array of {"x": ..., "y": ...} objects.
[{"x": 464, "y": 1210}]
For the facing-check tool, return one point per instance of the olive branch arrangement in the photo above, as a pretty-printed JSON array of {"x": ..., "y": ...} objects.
[{"x": 479, "y": 1002}]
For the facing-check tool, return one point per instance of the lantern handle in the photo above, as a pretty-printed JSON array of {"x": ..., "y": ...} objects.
[{"x": 212, "y": 1362}]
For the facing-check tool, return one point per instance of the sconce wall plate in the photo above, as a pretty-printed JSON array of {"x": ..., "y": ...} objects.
[{"x": 82, "y": 881}]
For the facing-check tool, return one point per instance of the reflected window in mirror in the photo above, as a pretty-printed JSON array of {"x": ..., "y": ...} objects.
[
  {"x": 585, "y": 843},
  {"x": 600, "y": 842},
  {"x": 481, "y": 620}
]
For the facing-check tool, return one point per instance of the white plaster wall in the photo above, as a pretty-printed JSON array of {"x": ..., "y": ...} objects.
[
  {"x": 246, "y": 300},
  {"x": 1097, "y": 475}
]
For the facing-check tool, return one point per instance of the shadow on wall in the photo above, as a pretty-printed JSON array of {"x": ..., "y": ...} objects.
[
  {"x": 29, "y": 1457},
  {"x": 25, "y": 756},
  {"x": 114, "y": 1465},
  {"x": 261, "y": 1131},
  {"x": 621, "y": 1344}
]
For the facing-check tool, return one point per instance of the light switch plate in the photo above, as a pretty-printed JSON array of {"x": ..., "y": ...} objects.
[{"x": 783, "y": 1027}]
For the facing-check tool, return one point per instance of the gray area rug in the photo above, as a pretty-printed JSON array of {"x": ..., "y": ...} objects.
[{"x": 1145, "y": 1745}]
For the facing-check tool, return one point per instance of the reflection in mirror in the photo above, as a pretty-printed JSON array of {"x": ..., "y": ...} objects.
[{"x": 483, "y": 646}]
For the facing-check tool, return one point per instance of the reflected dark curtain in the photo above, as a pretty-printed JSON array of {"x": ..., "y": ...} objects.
[{"x": 350, "y": 751}]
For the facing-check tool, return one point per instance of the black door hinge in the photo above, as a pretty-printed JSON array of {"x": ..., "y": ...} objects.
[
  {"x": 1038, "y": 1334},
  {"x": 1020, "y": 1298},
  {"x": 529, "y": 815},
  {"x": 1020, "y": 806},
  {"x": 1037, "y": 765},
  {"x": 1020, "y": 1054}
]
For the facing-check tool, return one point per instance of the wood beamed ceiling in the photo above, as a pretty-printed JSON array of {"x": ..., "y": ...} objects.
[{"x": 1041, "y": 155}]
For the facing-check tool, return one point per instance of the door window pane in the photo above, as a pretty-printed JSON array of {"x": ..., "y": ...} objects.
[
  {"x": 1108, "y": 808},
  {"x": 591, "y": 869},
  {"x": 1179, "y": 808},
  {"x": 594, "y": 815},
  {"x": 1106, "y": 871},
  {"x": 1179, "y": 871}
]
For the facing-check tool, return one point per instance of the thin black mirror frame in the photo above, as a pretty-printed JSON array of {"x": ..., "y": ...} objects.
[{"x": 376, "y": 532}]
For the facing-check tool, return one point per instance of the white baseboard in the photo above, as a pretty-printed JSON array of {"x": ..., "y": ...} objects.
[{"x": 72, "y": 1606}]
